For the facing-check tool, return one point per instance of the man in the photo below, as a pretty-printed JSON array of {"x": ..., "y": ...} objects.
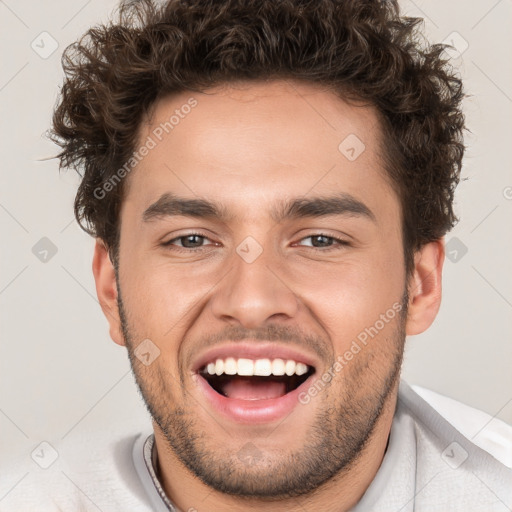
[{"x": 269, "y": 184}]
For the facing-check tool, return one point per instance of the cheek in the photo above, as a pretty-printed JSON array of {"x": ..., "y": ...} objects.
[
  {"x": 160, "y": 302},
  {"x": 350, "y": 297}
]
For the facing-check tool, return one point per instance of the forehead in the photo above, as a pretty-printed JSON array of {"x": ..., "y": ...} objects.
[{"x": 247, "y": 144}]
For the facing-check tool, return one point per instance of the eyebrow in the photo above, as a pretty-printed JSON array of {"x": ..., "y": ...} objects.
[{"x": 169, "y": 205}]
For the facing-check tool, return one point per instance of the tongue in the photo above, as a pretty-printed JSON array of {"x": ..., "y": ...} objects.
[{"x": 253, "y": 389}]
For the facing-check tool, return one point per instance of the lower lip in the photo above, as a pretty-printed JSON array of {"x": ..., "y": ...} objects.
[{"x": 252, "y": 411}]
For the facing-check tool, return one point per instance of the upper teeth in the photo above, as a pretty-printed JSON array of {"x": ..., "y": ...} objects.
[{"x": 248, "y": 367}]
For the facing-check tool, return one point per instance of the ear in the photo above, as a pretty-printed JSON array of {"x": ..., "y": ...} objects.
[
  {"x": 425, "y": 287},
  {"x": 106, "y": 289}
]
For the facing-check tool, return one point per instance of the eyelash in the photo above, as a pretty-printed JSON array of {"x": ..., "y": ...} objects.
[{"x": 339, "y": 242}]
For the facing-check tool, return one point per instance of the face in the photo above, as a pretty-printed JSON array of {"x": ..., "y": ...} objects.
[{"x": 250, "y": 238}]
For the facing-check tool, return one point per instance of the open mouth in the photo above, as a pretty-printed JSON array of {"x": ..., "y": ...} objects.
[{"x": 254, "y": 387}]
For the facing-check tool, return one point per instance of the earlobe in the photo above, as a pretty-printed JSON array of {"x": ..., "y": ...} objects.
[
  {"x": 425, "y": 287},
  {"x": 106, "y": 289}
]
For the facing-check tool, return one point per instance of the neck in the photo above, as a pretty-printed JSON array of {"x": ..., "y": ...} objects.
[{"x": 339, "y": 494}]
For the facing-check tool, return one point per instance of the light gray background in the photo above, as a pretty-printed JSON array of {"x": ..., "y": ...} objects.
[{"x": 59, "y": 370}]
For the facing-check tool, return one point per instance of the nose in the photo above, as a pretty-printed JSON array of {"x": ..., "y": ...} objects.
[{"x": 253, "y": 292}]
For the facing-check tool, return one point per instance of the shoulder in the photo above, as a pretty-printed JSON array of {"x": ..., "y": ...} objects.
[
  {"x": 461, "y": 453},
  {"x": 89, "y": 471},
  {"x": 487, "y": 432}
]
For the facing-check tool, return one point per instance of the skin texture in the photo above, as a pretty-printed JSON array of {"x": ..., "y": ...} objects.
[{"x": 247, "y": 147}]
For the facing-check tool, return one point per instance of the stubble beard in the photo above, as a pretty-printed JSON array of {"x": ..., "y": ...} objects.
[{"x": 333, "y": 442}]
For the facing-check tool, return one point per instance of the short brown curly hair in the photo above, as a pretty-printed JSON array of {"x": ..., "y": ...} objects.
[{"x": 361, "y": 49}]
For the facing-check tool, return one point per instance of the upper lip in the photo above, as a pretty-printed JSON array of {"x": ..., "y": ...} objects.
[{"x": 253, "y": 350}]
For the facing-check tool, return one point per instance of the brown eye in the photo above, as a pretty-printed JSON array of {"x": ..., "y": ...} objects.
[
  {"x": 320, "y": 241},
  {"x": 190, "y": 241}
]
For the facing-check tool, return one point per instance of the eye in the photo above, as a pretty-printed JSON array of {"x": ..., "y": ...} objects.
[
  {"x": 193, "y": 241},
  {"x": 320, "y": 241},
  {"x": 188, "y": 241}
]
